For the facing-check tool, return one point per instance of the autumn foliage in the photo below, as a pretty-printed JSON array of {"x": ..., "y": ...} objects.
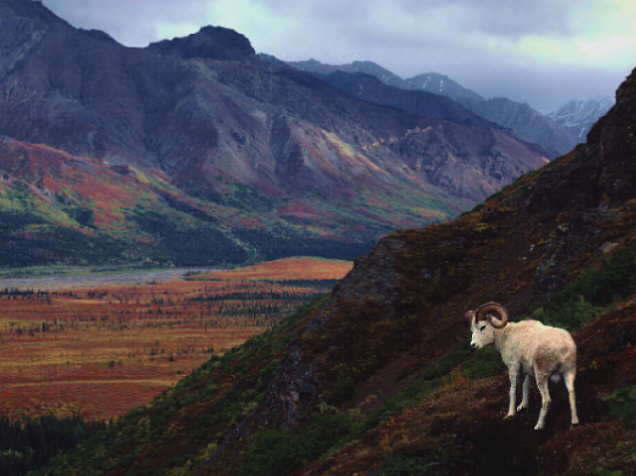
[{"x": 101, "y": 351}]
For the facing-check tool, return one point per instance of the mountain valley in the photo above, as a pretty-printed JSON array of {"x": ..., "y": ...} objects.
[
  {"x": 197, "y": 152},
  {"x": 266, "y": 161}
]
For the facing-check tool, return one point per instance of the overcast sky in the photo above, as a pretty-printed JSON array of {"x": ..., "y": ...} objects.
[{"x": 542, "y": 52}]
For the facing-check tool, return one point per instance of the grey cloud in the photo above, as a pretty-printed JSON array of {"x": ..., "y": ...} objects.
[
  {"x": 517, "y": 19},
  {"x": 406, "y": 36},
  {"x": 131, "y": 22},
  {"x": 508, "y": 18}
]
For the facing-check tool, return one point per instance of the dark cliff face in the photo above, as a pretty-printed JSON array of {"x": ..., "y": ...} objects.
[{"x": 380, "y": 377}]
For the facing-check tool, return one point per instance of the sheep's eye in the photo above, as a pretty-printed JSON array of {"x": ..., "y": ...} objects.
[{"x": 481, "y": 329}]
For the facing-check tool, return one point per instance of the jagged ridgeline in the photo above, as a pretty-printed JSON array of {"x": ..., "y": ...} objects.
[
  {"x": 378, "y": 379},
  {"x": 196, "y": 151}
]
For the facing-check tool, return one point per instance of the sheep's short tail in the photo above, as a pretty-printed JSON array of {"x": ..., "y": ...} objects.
[{"x": 555, "y": 378}]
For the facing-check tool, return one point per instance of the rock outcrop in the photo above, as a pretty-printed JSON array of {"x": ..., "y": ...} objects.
[{"x": 210, "y": 42}]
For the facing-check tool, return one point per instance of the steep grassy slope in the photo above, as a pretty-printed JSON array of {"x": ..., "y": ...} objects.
[{"x": 379, "y": 378}]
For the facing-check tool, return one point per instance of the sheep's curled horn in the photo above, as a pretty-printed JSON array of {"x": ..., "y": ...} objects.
[{"x": 486, "y": 311}]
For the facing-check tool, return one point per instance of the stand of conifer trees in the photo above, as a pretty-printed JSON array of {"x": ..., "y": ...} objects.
[{"x": 28, "y": 444}]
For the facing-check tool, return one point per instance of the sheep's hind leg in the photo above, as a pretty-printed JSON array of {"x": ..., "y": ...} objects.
[
  {"x": 568, "y": 379},
  {"x": 526, "y": 389},
  {"x": 542, "y": 383}
]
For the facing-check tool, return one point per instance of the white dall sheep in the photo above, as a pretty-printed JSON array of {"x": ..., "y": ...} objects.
[{"x": 527, "y": 347}]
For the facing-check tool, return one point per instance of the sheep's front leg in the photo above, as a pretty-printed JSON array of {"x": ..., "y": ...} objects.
[
  {"x": 526, "y": 389},
  {"x": 542, "y": 383},
  {"x": 512, "y": 410}
]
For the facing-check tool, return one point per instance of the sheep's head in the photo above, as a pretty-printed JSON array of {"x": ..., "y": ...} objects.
[{"x": 483, "y": 322}]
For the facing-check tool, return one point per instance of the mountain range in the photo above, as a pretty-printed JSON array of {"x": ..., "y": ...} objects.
[
  {"x": 378, "y": 377},
  {"x": 430, "y": 82},
  {"x": 557, "y": 132},
  {"x": 198, "y": 143},
  {"x": 579, "y": 116}
]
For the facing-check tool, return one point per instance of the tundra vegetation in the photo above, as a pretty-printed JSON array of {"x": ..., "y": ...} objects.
[
  {"x": 101, "y": 351},
  {"x": 412, "y": 432},
  {"x": 73, "y": 358}
]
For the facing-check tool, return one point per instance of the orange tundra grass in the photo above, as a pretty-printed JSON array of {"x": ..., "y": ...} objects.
[{"x": 100, "y": 352}]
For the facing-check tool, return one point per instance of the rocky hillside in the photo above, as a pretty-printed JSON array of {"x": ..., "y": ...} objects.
[
  {"x": 378, "y": 378},
  {"x": 288, "y": 156}
]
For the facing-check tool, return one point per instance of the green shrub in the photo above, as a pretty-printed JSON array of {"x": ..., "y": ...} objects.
[
  {"x": 486, "y": 363},
  {"x": 583, "y": 299},
  {"x": 607, "y": 472},
  {"x": 276, "y": 452},
  {"x": 622, "y": 404},
  {"x": 344, "y": 389},
  {"x": 570, "y": 313},
  {"x": 442, "y": 366}
]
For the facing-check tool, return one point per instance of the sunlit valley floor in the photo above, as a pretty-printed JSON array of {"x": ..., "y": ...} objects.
[{"x": 100, "y": 351}]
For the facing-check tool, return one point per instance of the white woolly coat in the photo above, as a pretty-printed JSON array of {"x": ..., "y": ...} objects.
[{"x": 530, "y": 345}]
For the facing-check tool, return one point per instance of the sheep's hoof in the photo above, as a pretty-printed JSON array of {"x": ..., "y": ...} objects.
[
  {"x": 522, "y": 407},
  {"x": 509, "y": 416},
  {"x": 538, "y": 427}
]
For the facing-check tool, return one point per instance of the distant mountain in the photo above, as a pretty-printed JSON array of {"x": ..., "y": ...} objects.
[
  {"x": 556, "y": 133},
  {"x": 578, "y": 116},
  {"x": 369, "y": 88},
  {"x": 365, "y": 67},
  {"x": 430, "y": 82},
  {"x": 441, "y": 84},
  {"x": 526, "y": 123},
  {"x": 262, "y": 159}
]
